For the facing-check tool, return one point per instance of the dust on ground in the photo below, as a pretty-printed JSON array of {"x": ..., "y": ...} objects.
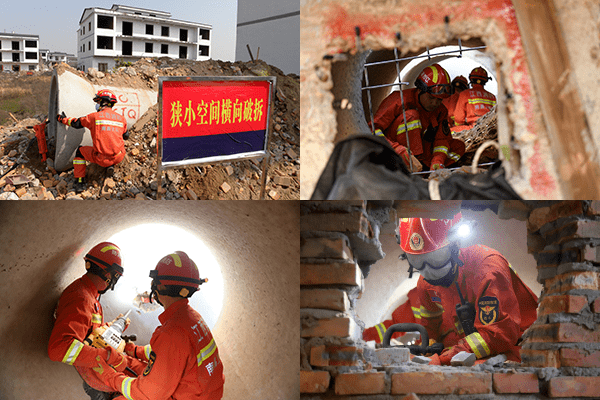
[{"x": 136, "y": 176}]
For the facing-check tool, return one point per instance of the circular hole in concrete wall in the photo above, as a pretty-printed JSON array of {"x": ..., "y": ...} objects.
[{"x": 143, "y": 246}]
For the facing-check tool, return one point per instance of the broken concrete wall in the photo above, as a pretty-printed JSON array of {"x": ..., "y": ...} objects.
[
  {"x": 328, "y": 37},
  {"x": 41, "y": 251}
]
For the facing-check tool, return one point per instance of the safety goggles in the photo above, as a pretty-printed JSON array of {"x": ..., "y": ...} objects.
[
  {"x": 440, "y": 90},
  {"x": 436, "y": 259}
]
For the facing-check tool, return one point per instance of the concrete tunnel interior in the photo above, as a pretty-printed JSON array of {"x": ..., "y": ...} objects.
[{"x": 255, "y": 246}]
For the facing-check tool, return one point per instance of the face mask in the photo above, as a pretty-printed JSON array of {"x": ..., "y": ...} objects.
[
  {"x": 432, "y": 274},
  {"x": 97, "y": 107}
]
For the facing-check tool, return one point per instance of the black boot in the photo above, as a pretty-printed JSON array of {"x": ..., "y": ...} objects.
[{"x": 79, "y": 185}]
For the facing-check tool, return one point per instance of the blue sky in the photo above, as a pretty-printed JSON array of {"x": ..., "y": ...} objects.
[{"x": 56, "y": 22}]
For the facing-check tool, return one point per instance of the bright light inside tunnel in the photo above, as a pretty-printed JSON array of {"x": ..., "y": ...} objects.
[
  {"x": 142, "y": 246},
  {"x": 464, "y": 231}
]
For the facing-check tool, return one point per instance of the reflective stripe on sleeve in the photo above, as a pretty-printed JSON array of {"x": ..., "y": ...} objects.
[
  {"x": 96, "y": 319},
  {"x": 109, "y": 122},
  {"x": 78, "y": 161},
  {"x": 73, "y": 352},
  {"x": 427, "y": 314},
  {"x": 126, "y": 388},
  {"x": 379, "y": 132},
  {"x": 206, "y": 352},
  {"x": 440, "y": 149},
  {"x": 147, "y": 351},
  {"x": 416, "y": 124},
  {"x": 478, "y": 345},
  {"x": 453, "y": 156},
  {"x": 416, "y": 312},
  {"x": 381, "y": 331}
]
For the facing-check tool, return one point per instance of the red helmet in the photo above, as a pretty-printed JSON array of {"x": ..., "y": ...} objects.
[
  {"x": 435, "y": 81},
  {"x": 460, "y": 82},
  {"x": 423, "y": 235},
  {"x": 105, "y": 95},
  {"x": 479, "y": 74},
  {"x": 178, "y": 273},
  {"x": 104, "y": 260}
]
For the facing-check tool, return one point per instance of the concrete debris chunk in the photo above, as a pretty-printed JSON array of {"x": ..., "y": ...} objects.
[
  {"x": 463, "y": 359},
  {"x": 421, "y": 360},
  {"x": 496, "y": 360},
  {"x": 392, "y": 356}
]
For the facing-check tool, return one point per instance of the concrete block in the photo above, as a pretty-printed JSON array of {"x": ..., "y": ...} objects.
[
  {"x": 463, "y": 359},
  {"x": 392, "y": 356}
]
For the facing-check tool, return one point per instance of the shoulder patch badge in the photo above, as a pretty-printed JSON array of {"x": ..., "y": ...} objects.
[
  {"x": 489, "y": 308},
  {"x": 151, "y": 360}
]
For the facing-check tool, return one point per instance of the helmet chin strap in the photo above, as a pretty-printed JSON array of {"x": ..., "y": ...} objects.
[{"x": 154, "y": 293}]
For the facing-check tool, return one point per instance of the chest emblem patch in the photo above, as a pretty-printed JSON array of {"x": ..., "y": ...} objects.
[{"x": 489, "y": 308}]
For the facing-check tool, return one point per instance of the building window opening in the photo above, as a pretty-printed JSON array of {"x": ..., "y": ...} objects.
[
  {"x": 16, "y": 68},
  {"x": 90, "y": 45},
  {"x": 203, "y": 50},
  {"x": 105, "y": 42},
  {"x": 139, "y": 259},
  {"x": 149, "y": 47},
  {"x": 183, "y": 35},
  {"x": 164, "y": 49},
  {"x": 204, "y": 34},
  {"x": 83, "y": 31},
  {"x": 182, "y": 52},
  {"x": 89, "y": 26},
  {"x": 15, "y": 45},
  {"x": 164, "y": 31},
  {"x": 15, "y": 57},
  {"x": 30, "y": 56},
  {"x": 102, "y": 67},
  {"x": 30, "y": 43},
  {"x": 105, "y": 22},
  {"x": 149, "y": 29},
  {"x": 127, "y": 48},
  {"x": 127, "y": 28}
]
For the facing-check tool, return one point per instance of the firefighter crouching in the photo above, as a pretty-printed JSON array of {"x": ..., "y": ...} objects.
[
  {"x": 477, "y": 278},
  {"x": 183, "y": 358},
  {"x": 79, "y": 312},
  {"x": 108, "y": 130}
]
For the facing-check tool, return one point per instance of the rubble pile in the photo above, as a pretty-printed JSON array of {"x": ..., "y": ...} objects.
[{"x": 136, "y": 176}]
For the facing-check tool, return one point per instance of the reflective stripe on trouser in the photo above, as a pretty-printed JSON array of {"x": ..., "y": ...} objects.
[
  {"x": 126, "y": 388},
  {"x": 73, "y": 352},
  {"x": 411, "y": 125},
  {"x": 416, "y": 312},
  {"x": 478, "y": 345},
  {"x": 206, "y": 352},
  {"x": 440, "y": 149},
  {"x": 380, "y": 331},
  {"x": 79, "y": 167}
]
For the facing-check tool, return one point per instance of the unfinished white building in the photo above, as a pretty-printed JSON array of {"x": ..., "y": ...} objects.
[
  {"x": 130, "y": 33},
  {"x": 19, "y": 52}
]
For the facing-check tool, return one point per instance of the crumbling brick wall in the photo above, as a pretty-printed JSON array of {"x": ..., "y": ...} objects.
[{"x": 561, "y": 351}]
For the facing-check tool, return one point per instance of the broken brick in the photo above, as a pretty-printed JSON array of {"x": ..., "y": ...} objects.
[
  {"x": 314, "y": 381},
  {"x": 360, "y": 383},
  {"x": 274, "y": 195},
  {"x": 225, "y": 187}
]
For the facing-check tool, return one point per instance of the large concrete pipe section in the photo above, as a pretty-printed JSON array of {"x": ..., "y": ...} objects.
[
  {"x": 255, "y": 244},
  {"x": 73, "y": 94}
]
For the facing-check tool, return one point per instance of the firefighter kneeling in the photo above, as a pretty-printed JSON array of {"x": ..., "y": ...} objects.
[{"x": 108, "y": 130}]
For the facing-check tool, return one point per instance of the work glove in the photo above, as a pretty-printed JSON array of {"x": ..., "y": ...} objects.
[
  {"x": 117, "y": 360},
  {"x": 126, "y": 135},
  {"x": 62, "y": 118},
  {"x": 135, "y": 351}
]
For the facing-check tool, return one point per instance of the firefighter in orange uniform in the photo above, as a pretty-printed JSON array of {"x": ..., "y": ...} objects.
[
  {"x": 429, "y": 134},
  {"x": 473, "y": 103},
  {"x": 183, "y": 358},
  {"x": 407, "y": 312},
  {"x": 79, "y": 312},
  {"x": 459, "y": 84},
  {"x": 108, "y": 130},
  {"x": 502, "y": 306}
]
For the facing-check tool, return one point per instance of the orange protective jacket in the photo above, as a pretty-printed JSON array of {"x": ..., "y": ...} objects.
[
  {"x": 389, "y": 120},
  {"x": 107, "y": 128},
  {"x": 472, "y": 104},
  {"x": 77, "y": 314},
  {"x": 505, "y": 306},
  {"x": 407, "y": 312},
  {"x": 184, "y": 361},
  {"x": 450, "y": 104}
]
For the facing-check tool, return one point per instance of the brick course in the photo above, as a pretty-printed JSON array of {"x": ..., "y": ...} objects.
[
  {"x": 325, "y": 247},
  {"x": 354, "y": 222},
  {"x": 329, "y": 299},
  {"x": 347, "y": 273},
  {"x": 515, "y": 383},
  {"x": 562, "y": 304},
  {"x": 574, "y": 386},
  {"x": 339, "y": 327},
  {"x": 540, "y": 358},
  {"x": 572, "y": 280},
  {"x": 442, "y": 383},
  {"x": 580, "y": 358},
  {"x": 565, "y": 332},
  {"x": 544, "y": 215},
  {"x": 360, "y": 383}
]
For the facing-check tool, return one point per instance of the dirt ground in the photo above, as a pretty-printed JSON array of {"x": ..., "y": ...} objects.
[{"x": 136, "y": 176}]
